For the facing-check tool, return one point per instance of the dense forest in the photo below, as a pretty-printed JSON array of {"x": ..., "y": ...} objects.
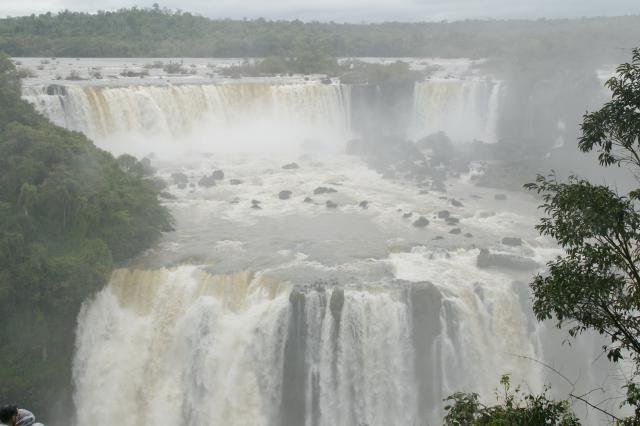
[
  {"x": 158, "y": 32},
  {"x": 69, "y": 212}
]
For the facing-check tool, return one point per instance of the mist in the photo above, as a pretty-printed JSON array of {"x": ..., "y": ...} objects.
[{"x": 350, "y": 240}]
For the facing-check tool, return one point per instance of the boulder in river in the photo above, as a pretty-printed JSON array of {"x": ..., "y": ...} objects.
[
  {"x": 364, "y": 204},
  {"x": 284, "y": 195},
  {"x": 455, "y": 231},
  {"x": 456, "y": 203},
  {"x": 512, "y": 241},
  {"x": 218, "y": 175},
  {"x": 452, "y": 221},
  {"x": 179, "y": 178},
  {"x": 207, "y": 181},
  {"x": 235, "y": 181},
  {"x": 444, "y": 214},
  {"x": 421, "y": 222},
  {"x": 407, "y": 215},
  {"x": 323, "y": 190},
  {"x": 331, "y": 205},
  {"x": 291, "y": 166},
  {"x": 308, "y": 200},
  {"x": 486, "y": 259},
  {"x": 500, "y": 197}
]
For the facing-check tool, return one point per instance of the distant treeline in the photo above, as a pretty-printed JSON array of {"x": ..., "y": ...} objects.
[{"x": 157, "y": 32}]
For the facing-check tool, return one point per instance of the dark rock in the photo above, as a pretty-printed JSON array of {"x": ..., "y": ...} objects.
[
  {"x": 500, "y": 197},
  {"x": 218, "y": 175},
  {"x": 407, "y": 215},
  {"x": 486, "y": 259},
  {"x": 256, "y": 206},
  {"x": 323, "y": 190},
  {"x": 439, "y": 237},
  {"x": 291, "y": 166},
  {"x": 364, "y": 204},
  {"x": 167, "y": 195},
  {"x": 284, "y": 195},
  {"x": 179, "y": 178},
  {"x": 452, "y": 221},
  {"x": 468, "y": 235},
  {"x": 455, "y": 231},
  {"x": 159, "y": 183},
  {"x": 235, "y": 181},
  {"x": 456, "y": 203},
  {"x": 421, "y": 222},
  {"x": 444, "y": 214},
  {"x": 331, "y": 205},
  {"x": 207, "y": 181},
  {"x": 512, "y": 241},
  {"x": 325, "y": 81},
  {"x": 308, "y": 200}
]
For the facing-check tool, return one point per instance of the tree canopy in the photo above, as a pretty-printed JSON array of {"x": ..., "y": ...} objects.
[
  {"x": 68, "y": 212},
  {"x": 595, "y": 285}
]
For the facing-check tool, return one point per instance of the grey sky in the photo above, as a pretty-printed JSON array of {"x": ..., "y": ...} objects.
[{"x": 349, "y": 10}]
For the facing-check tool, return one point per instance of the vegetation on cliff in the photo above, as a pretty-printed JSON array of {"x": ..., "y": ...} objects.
[{"x": 68, "y": 212}]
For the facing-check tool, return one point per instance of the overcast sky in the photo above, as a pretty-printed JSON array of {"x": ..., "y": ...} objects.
[{"x": 349, "y": 10}]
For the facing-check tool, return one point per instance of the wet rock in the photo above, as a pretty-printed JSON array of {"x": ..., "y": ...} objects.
[
  {"x": 255, "y": 204},
  {"x": 452, "y": 221},
  {"x": 512, "y": 241},
  {"x": 456, "y": 203},
  {"x": 308, "y": 200},
  {"x": 455, "y": 231},
  {"x": 439, "y": 237},
  {"x": 486, "y": 259},
  {"x": 179, "y": 178},
  {"x": 323, "y": 190},
  {"x": 331, "y": 205},
  {"x": 235, "y": 182},
  {"x": 407, "y": 215},
  {"x": 207, "y": 181},
  {"x": 468, "y": 235},
  {"x": 500, "y": 197},
  {"x": 160, "y": 184},
  {"x": 291, "y": 166},
  {"x": 167, "y": 195},
  {"x": 444, "y": 214},
  {"x": 421, "y": 222},
  {"x": 218, "y": 175},
  {"x": 364, "y": 204},
  {"x": 284, "y": 195}
]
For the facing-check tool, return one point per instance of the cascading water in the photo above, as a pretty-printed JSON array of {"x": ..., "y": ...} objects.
[
  {"x": 465, "y": 109},
  {"x": 177, "y": 109},
  {"x": 265, "y": 311}
]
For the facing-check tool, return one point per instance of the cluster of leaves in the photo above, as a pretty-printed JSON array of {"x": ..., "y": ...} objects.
[
  {"x": 595, "y": 285},
  {"x": 68, "y": 211},
  {"x": 301, "y": 63},
  {"x": 157, "y": 32},
  {"x": 513, "y": 408}
]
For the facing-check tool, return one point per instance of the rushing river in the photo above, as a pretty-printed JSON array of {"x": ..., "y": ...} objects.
[{"x": 323, "y": 306}]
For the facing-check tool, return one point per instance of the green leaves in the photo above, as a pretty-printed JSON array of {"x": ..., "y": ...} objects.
[
  {"x": 596, "y": 284},
  {"x": 513, "y": 408}
]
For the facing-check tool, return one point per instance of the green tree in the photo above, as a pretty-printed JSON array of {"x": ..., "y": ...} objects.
[
  {"x": 513, "y": 409},
  {"x": 68, "y": 212},
  {"x": 595, "y": 285}
]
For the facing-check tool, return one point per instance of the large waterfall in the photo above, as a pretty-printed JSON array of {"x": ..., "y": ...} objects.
[
  {"x": 326, "y": 306},
  {"x": 176, "y": 110},
  {"x": 465, "y": 109}
]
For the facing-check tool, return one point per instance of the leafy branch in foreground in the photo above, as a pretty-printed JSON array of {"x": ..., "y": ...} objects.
[
  {"x": 513, "y": 408},
  {"x": 595, "y": 285}
]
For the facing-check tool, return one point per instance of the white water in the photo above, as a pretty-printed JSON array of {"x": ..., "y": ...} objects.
[
  {"x": 465, "y": 109},
  {"x": 295, "y": 314}
]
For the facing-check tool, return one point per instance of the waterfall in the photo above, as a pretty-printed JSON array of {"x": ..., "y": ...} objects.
[
  {"x": 465, "y": 109},
  {"x": 176, "y": 110},
  {"x": 183, "y": 346}
]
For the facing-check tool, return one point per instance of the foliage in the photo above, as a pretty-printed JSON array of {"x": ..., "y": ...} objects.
[
  {"x": 68, "y": 212},
  {"x": 513, "y": 408},
  {"x": 358, "y": 72},
  {"x": 596, "y": 284},
  {"x": 157, "y": 32}
]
